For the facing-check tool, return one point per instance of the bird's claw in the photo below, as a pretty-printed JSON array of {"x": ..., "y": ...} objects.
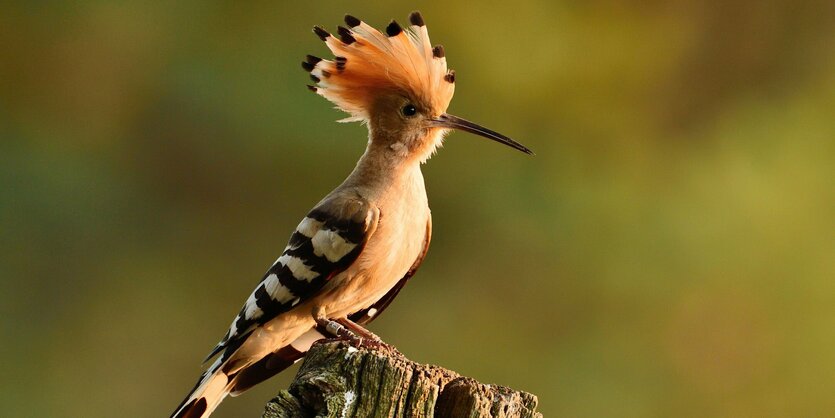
[{"x": 367, "y": 339}]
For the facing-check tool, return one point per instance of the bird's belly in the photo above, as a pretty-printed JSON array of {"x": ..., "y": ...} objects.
[{"x": 386, "y": 258}]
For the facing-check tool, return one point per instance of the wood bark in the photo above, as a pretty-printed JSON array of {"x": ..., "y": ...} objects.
[{"x": 338, "y": 380}]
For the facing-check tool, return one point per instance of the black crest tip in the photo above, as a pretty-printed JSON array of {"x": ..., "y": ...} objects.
[
  {"x": 312, "y": 59},
  {"x": 321, "y": 33},
  {"x": 393, "y": 29},
  {"x": 351, "y": 21},
  {"x": 345, "y": 35},
  {"x": 314, "y": 78},
  {"x": 438, "y": 51},
  {"x": 450, "y": 76},
  {"x": 340, "y": 63},
  {"x": 416, "y": 19},
  {"x": 312, "y": 88},
  {"x": 307, "y": 66}
]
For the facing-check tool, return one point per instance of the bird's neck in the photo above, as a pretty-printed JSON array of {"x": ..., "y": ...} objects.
[
  {"x": 383, "y": 169},
  {"x": 384, "y": 164}
]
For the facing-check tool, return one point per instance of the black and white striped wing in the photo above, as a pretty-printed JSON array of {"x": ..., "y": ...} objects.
[{"x": 324, "y": 244}]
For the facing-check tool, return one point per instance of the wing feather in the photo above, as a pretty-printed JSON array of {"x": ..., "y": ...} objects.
[{"x": 324, "y": 244}]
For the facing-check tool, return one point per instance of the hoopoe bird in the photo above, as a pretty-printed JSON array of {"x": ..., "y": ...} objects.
[{"x": 351, "y": 255}]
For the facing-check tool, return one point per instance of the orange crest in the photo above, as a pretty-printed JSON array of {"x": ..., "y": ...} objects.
[{"x": 368, "y": 63}]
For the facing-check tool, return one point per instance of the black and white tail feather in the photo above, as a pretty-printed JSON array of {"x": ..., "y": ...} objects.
[{"x": 215, "y": 383}]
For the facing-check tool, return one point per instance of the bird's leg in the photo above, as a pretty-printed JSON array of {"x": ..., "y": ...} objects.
[
  {"x": 346, "y": 329},
  {"x": 369, "y": 339},
  {"x": 358, "y": 329},
  {"x": 332, "y": 327}
]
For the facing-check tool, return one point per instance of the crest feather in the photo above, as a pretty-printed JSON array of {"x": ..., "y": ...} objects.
[{"x": 368, "y": 62}]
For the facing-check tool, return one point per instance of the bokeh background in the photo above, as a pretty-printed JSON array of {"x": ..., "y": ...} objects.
[{"x": 670, "y": 250}]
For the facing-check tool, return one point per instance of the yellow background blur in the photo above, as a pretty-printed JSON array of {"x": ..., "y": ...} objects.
[{"x": 669, "y": 252}]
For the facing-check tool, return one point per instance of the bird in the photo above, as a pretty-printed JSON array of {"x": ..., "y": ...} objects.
[{"x": 354, "y": 251}]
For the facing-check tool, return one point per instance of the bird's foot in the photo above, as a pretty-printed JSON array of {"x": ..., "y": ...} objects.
[
  {"x": 347, "y": 330},
  {"x": 367, "y": 338},
  {"x": 358, "y": 329}
]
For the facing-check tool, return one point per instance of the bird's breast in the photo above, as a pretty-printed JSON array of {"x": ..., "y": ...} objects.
[{"x": 389, "y": 253}]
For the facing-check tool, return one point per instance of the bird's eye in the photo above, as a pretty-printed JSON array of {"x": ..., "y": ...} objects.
[{"x": 409, "y": 110}]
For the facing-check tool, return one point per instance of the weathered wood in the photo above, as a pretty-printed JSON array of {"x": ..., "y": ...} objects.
[{"x": 337, "y": 380}]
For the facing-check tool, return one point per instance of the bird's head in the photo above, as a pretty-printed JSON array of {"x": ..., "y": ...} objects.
[{"x": 396, "y": 82}]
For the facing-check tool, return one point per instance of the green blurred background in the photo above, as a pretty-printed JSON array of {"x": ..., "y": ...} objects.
[{"x": 670, "y": 251}]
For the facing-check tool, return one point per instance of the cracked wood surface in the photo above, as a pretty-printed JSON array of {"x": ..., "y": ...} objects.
[{"x": 337, "y": 380}]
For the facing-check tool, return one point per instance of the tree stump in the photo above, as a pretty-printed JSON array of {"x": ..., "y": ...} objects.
[{"x": 338, "y": 380}]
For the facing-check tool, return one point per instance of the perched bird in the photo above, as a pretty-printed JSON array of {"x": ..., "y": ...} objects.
[{"x": 356, "y": 248}]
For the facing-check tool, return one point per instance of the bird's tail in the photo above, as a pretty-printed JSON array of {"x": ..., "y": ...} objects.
[
  {"x": 218, "y": 380},
  {"x": 207, "y": 394}
]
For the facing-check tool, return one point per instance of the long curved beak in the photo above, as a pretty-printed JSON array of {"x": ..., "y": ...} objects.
[{"x": 454, "y": 122}]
